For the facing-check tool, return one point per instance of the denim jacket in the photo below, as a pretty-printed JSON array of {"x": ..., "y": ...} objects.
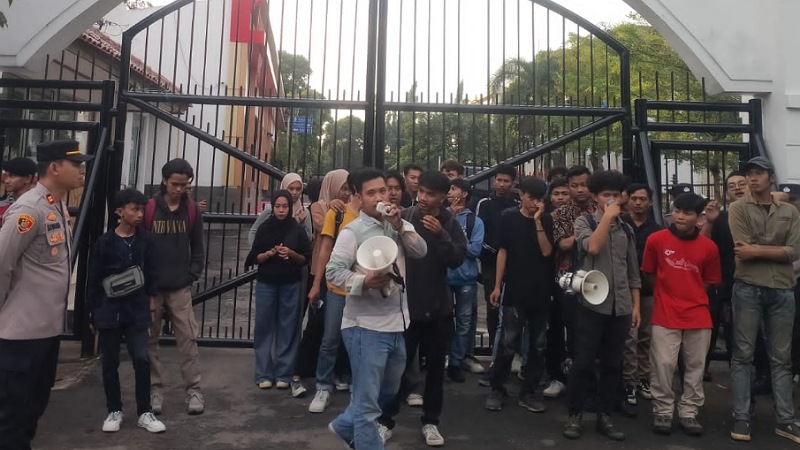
[{"x": 467, "y": 273}]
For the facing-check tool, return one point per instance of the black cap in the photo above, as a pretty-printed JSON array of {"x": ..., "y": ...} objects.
[
  {"x": 58, "y": 150},
  {"x": 792, "y": 189},
  {"x": 680, "y": 188},
  {"x": 760, "y": 162},
  {"x": 21, "y": 167}
]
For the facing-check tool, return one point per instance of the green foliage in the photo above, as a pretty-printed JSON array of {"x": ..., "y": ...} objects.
[{"x": 3, "y": 20}]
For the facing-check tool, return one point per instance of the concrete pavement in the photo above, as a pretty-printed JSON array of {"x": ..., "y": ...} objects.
[{"x": 240, "y": 416}]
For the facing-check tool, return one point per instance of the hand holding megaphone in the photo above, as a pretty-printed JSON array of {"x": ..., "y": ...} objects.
[
  {"x": 375, "y": 280},
  {"x": 391, "y": 213},
  {"x": 591, "y": 285}
]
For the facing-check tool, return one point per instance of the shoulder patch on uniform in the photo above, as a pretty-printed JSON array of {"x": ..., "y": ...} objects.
[
  {"x": 50, "y": 199},
  {"x": 24, "y": 223}
]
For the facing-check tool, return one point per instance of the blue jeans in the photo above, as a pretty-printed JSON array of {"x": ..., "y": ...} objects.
[
  {"x": 378, "y": 360},
  {"x": 329, "y": 349},
  {"x": 277, "y": 312},
  {"x": 466, "y": 322},
  {"x": 751, "y": 305}
]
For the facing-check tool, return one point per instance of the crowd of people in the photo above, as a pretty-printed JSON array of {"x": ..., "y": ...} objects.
[{"x": 392, "y": 338}]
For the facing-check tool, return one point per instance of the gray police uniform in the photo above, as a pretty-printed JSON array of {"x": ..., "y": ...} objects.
[
  {"x": 34, "y": 267},
  {"x": 34, "y": 282}
]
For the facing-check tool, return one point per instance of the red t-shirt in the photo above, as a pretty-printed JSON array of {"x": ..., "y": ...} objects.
[
  {"x": 3, "y": 208},
  {"x": 681, "y": 267}
]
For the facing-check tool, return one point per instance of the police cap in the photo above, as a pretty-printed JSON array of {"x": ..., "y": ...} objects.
[{"x": 58, "y": 150}]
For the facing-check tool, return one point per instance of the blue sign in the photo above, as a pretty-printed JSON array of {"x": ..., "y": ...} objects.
[{"x": 303, "y": 124}]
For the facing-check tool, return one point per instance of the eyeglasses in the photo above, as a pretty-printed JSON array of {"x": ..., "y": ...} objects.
[{"x": 739, "y": 185}]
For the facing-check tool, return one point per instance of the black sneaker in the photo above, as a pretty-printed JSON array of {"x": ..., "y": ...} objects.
[
  {"x": 494, "y": 402},
  {"x": 662, "y": 424},
  {"x": 486, "y": 379},
  {"x": 572, "y": 429},
  {"x": 741, "y": 431},
  {"x": 630, "y": 395},
  {"x": 790, "y": 431},
  {"x": 455, "y": 374},
  {"x": 607, "y": 428},
  {"x": 691, "y": 426},
  {"x": 532, "y": 403}
]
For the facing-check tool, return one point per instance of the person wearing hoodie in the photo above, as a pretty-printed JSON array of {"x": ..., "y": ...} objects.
[
  {"x": 463, "y": 280},
  {"x": 429, "y": 301},
  {"x": 175, "y": 223}
]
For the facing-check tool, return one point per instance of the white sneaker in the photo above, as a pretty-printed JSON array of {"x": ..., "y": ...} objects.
[
  {"x": 384, "y": 432},
  {"x": 195, "y": 403},
  {"x": 432, "y": 436},
  {"x": 297, "y": 388},
  {"x": 555, "y": 389},
  {"x": 414, "y": 400},
  {"x": 341, "y": 385},
  {"x": 112, "y": 422},
  {"x": 156, "y": 403},
  {"x": 473, "y": 365},
  {"x": 149, "y": 422},
  {"x": 321, "y": 401}
]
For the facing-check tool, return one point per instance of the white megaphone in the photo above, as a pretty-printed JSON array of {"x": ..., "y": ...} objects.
[
  {"x": 592, "y": 285},
  {"x": 377, "y": 254}
]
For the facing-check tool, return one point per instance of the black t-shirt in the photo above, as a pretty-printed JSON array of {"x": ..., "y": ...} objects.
[
  {"x": 721, "y": 235},
  {"x": 529, "y": 275}
]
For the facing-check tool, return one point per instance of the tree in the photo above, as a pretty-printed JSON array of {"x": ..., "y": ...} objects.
[{"x": 3, "y": 20}]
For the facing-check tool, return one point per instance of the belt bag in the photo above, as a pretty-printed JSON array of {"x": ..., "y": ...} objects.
[{"x": 124, "y": 283}]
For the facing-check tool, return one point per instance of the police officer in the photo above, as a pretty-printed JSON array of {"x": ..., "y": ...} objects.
[
  {"x": 20, "y": 177},
  {"x": 34, "y": 282}
]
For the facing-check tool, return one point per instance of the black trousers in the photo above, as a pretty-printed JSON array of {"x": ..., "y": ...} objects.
[
  {"x": 492, "y": 313},
  {"x": 136, "y": 342},
  {"x": 597, "y": 336},
  {"x": 514, "y": 322},
  {"x": 433, "y": 336},
  {"x": 720, "y": 308},
  {"x": 27, "y": 373},
  {"x": 560, "y": 334}
]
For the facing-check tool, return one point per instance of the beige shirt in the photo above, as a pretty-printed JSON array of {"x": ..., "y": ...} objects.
[
  {"x": 780, "y": 227},
  {"x": 34, "y": 267}
]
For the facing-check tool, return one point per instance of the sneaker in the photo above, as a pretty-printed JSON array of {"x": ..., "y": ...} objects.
[
  {"x": 432, "y": 436},
  {"x": 692, "y": 427},
  {"x": 149, "y": 422},
  {"x": 282, "y": 385},
  {"x": 662, "y": 424},
  {"x": 455, "y": 374},
  {"x": 321, "y": 401},
  {"x": 532, "y": 403},
  {"x": 628, "y": 410},
  {"x": 521, "y": 373},
  {"x": 266, "y": 384},
  {"x": 555, "y": 389},
  {"x": 486, "y": 379},
  {"x": 790, "y": 431},
  {"x": 341, "y": 385},
  {"x": 156, "y": 403},
  {"x": 630, "y": 395},
  {"x": 112, "y": 422},
  {"x": 643, "y": 389},
  {"x": 607, "y": 428},
  {"x": 196, "y": 403},
  {"x": 384, "y": 432},
  {"x": 297, "y": 388},
  {"x": 472, "y": 364},
  {"x": 414, "y": 400},
  {"x": 494, "y": 402},
  {"x": 349, "y": 445},
  {"x": 741, "y": 431},
  {"x": 572, "y": 429}
]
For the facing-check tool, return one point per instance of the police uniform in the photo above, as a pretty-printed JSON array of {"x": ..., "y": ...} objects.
[{"x": 35, "y": 247}]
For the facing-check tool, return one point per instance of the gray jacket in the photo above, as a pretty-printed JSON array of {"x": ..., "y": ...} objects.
[
  {"x": 617, "y": 260},
  {"x": 34, "y": 267}
]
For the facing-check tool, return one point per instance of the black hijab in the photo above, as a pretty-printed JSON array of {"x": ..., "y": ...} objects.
[{"x": 274, "y": 230}]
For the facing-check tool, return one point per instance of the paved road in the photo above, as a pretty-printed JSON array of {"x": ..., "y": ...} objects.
[{"x": 239, "y": 416}]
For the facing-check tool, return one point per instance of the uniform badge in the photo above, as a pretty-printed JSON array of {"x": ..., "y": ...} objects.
[
  {"x": 50, "y": 199},
  {"x": 24, "y": 223},
  {"x": 54, "y": 251},
  {"x": 52, "y": 216}
]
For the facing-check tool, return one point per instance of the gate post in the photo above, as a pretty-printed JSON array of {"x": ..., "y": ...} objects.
[{"x": 369, "y": 119}]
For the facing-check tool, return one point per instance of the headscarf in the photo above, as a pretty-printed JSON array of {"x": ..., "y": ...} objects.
[
  {"x": 273, "y": 229},
  {"x": 297, "y": 207},
  {"x": 331, "y": 185}
]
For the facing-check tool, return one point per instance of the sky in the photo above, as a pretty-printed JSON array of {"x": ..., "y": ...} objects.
[{"x": 436, "y": 43}]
